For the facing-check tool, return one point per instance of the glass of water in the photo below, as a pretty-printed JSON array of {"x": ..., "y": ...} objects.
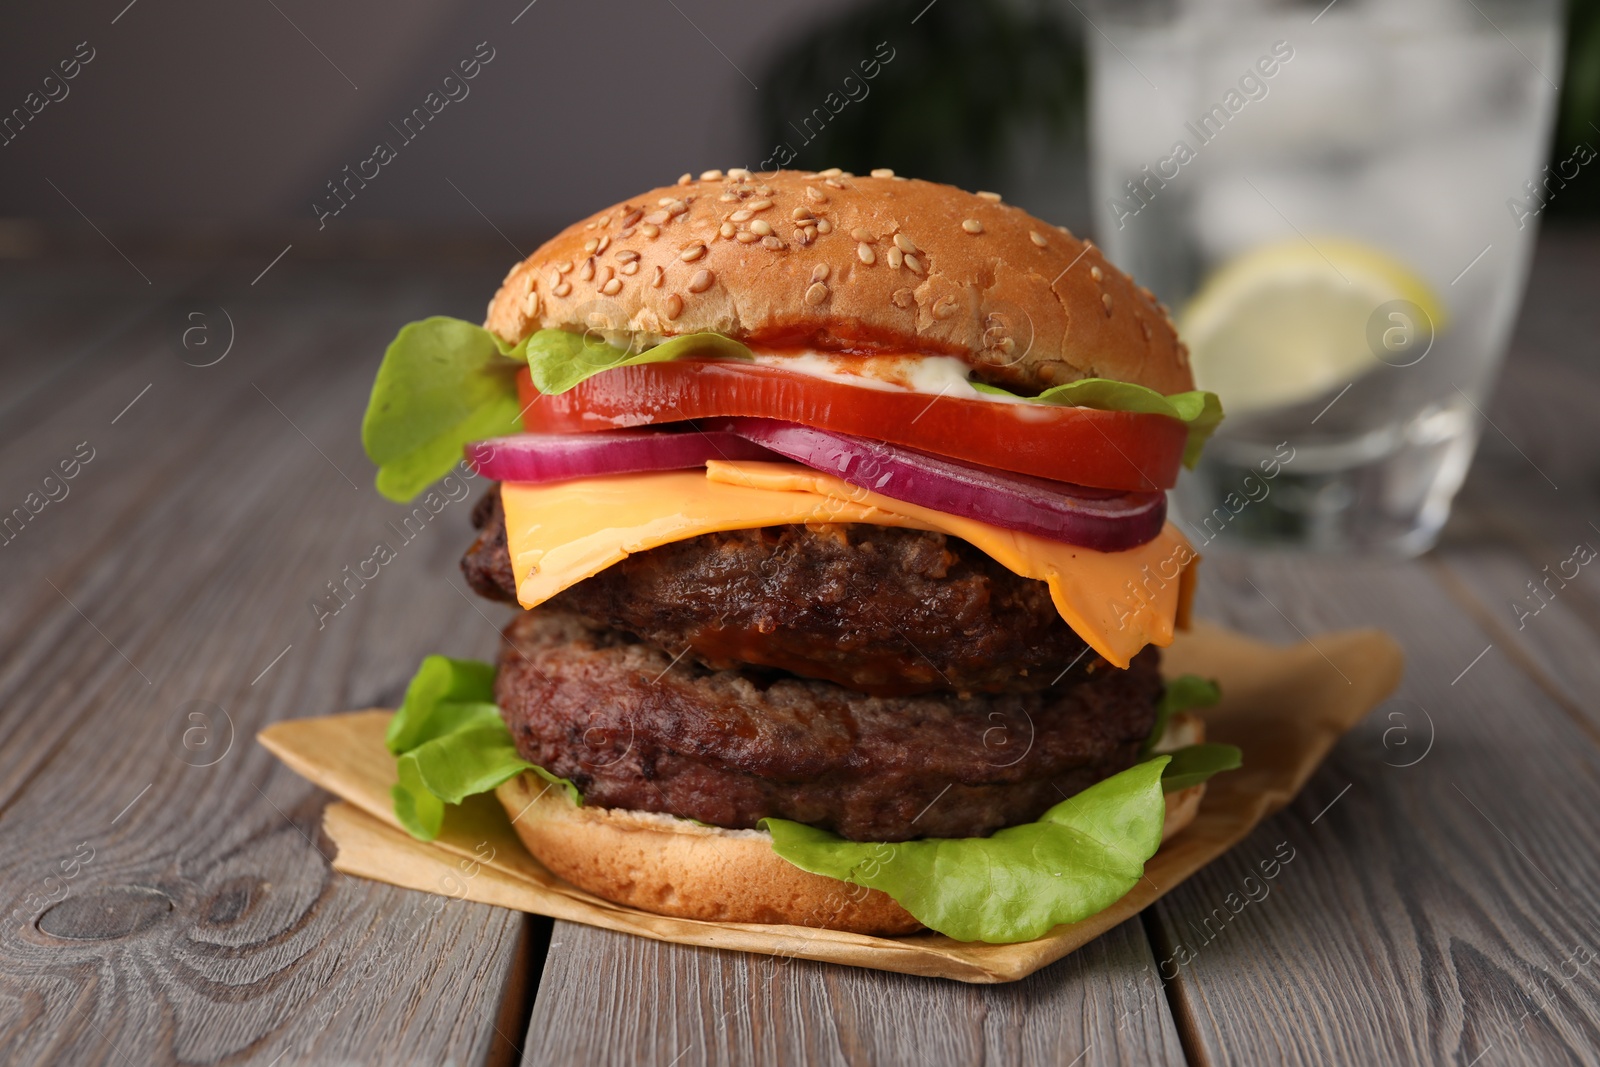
[{"x": 1338, "y": 200}]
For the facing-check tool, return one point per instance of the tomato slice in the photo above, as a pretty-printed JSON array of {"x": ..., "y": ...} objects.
[{"x": 1122, "y": 450}]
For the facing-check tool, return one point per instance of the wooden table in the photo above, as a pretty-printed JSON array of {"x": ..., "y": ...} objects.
[{"x": 167, "y": 887}]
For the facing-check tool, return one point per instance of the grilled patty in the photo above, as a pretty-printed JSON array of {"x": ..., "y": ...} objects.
[
  {"x": 635, "y": 729},
  {"x": 883, "y": 610}
]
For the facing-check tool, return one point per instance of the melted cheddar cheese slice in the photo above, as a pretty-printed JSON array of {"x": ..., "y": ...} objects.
[{"x": 563, "y": 532}]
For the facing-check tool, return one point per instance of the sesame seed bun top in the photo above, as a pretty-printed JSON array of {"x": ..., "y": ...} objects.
[{"x": 866, "y": 264}]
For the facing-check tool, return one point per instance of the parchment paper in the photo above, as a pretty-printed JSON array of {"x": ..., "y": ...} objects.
[{"x": 1285, "y": 707}]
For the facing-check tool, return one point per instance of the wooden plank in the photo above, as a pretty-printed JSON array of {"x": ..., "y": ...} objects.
[
  {"x": 1424, "y": 905},
  {"x": 1509, "y": 556},
  {"x": 194, "y": 919},
  {"x": 611, "y": 999}
]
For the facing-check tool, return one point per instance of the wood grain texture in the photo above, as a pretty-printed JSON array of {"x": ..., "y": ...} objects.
[
  {"x": 1430, "y": 912},
  {"x": 165, "y": 891},
  {"x": 1509, "y": 555},
  {"x": 1424, "y": 905},
  {"x": 611, "y": 999}
]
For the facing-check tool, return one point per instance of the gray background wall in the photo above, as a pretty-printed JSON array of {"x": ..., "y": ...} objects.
[{"x": 227, "y": 113}]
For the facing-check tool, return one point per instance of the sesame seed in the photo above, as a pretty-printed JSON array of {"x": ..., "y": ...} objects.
[
  {"x": 674, "y": 306},
  {"x": 726, "y": 229},
  {"x": 630, "y": 267},
  {"x": 693, "y": 252},
  {"x": 612, "y": 288},
  {"x": 590, "y": 225},
  {"x": 760, "y": 205},
  {"x": 820, "y": 272},
  {"x": 656, "y": 217},
  {"x": 701, "y": 281},
  {"x": 1097, "y": 274},
  {"x": 913, "y": 264},
  {"x": 903, "y": 243},
  {"x": 563, "y": 289},
  {"x": 555, "y": 277},
  {"x": 531, "y": 304},
  {"x": 883, "y": 172},
  {"x": 904, "y": 299},
  {"x": 685, "y": 178},
  {"x": 972, "y": 225},
  {"x": 676, "y": 208},
  {"x": 1037, "y": 238},
  {"x": 831, "y": 172},
  {"x": 800, "y": 214},
  {"x": 865, "y": 253},
  {"x": 586, "y": 272},
  {"x": 991, "y": 197},
  {"x": 861, "y": 233},
  {"x": 816, "y": 294},
  {"x": 728, "y": 198},
  {"x": 802, "y": 237},
  {"x": 762, "y": 227},
  {"x": 895, "y": 257},
  {"x": 632, "y": 218},
  {"x": 811, "y": 232},
  {"x": 603, "y": 220},
  {"x": 658, "y": 277},
  {"x": 650, "y": 230},
  {"x": 1146, "y": 327},
  {"x": 747, "y": 237},
  {"x": 834, "y": 183},
  {"x": 1105, "y": 298},
  {"x": 824, "y": 226},
  {"x": 764, "y": 190},
  {"x": 742, "y": 215},
  {"x": 625, "y": 233},
  {"x": 590, "y": 246},
  {"x": 738, "y": 174},
  {"x": 564, "y": 267},
  {"x": 711, "y": 175},
  {"x": 626, "y": 254},
  {"x": 944, "y": 307},
  {"x": 773, "y": 242},
  {"x": 665, "y": 200},
  {"x": 605, "y": 243},
  {"x": 815, "y": 195},
  {"x": 610, "y": 273}
]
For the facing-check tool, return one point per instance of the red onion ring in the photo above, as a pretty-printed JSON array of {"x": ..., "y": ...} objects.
[
  {"x": 1103, "y": 519},
  {"x": 1106, "y": 520},
  {"x": 557, "y": 457}
]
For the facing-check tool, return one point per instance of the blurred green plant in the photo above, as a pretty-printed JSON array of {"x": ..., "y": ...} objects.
[
  {"x": 969, "y": 81},
  {"x": 1578, "y": 117}
]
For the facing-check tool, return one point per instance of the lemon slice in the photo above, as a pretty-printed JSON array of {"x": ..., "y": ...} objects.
[{"x": 1285, "y": 323}]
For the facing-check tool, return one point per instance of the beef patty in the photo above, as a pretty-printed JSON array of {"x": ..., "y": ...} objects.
[
  {"x": 880, "y": 609},
  {"x": 635, "y": 729}
]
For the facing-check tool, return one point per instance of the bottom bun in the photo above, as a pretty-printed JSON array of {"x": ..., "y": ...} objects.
[{"x": 671, "y": 866}]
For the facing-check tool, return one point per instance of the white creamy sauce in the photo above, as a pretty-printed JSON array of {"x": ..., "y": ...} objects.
[{"x": 930, "y": 375}]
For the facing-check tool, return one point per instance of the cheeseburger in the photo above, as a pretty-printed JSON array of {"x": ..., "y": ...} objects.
[{"x": 834, "y": 508}]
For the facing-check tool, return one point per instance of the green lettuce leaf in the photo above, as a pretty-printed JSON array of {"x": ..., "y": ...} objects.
[
  {"x": 1193, "y": 764},
  {"x": 1077, "y": 859},
  {"x": 443, "y": 383},
  {"x": 559, "y": 360},
  {"x": 1199, "y": 410},
  {"x": 1181, "y": 693},
  {"x": 450, "y": 742}
]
